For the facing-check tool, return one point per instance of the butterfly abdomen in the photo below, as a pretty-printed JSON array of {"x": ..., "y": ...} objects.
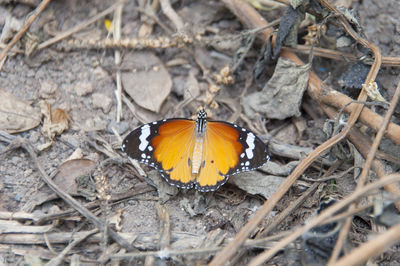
[
  {"x": 200, "y": 129},
  {"x": 197, "y": 155}
]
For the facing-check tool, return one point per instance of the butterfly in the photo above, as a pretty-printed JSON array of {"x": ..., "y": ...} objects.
[{"x": 197, "y": 153}]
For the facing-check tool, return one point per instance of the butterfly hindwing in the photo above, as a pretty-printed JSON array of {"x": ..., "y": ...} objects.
[
  {"x": 165, "y": 145},
  {"x": 229, "y": 149}
]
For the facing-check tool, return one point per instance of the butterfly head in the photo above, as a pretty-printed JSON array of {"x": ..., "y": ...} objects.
[
  {"x": 201, "y": 122},
  {"x": 202, "y": 114}
]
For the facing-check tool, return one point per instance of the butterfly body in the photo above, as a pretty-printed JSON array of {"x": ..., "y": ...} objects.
[{"x": 198, "y": 153}]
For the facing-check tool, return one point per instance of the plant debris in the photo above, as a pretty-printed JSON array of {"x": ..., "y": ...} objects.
[{"x": 286, "y": 71}]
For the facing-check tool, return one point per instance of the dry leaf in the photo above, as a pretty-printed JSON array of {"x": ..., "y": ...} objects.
[
  {"x": 373, "y": 92},
  {"x": 192, "y": 90},
  {"x": 148, "y": 83},
  {"x": 16, "y": 115},
  {"x": 165, "y": 190},
  {"x": 282, "y": 94},
  {"x": 257, "y": 183},
  {"x": 115, "y": 221},
  {"x": 65, "y": 178},
  {"x": 55, "y": 122},
  {"x": 77, "y": 154},
  {"x": 69, "y": 171},
  {"x": 44, "y": 146}
]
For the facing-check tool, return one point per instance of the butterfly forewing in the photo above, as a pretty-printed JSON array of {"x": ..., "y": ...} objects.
[
  {"x": 165, "y": 145},
  {"x": 173, "y": 148}
]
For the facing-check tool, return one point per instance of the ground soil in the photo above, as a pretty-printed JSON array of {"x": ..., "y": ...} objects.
[{"x": 70, "y": 73}]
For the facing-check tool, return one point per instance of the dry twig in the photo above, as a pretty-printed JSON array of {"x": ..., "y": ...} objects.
[
  {"x": 79, "y": 27},
  {"x": 252, "y": 19},
  {"x": 117, "y": 59},
  {"x": 60, "y": 257},
  {"x": 25, "y": 144},
  {"x": 31, "y": 18},
  {"x": 324, "y": 215}
]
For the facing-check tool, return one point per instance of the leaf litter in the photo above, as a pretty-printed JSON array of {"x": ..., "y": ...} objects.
[
  {"x": 150, "y": 94},
  {"x": 148, "y": 83},
  {"x": 17, "y": 115}
]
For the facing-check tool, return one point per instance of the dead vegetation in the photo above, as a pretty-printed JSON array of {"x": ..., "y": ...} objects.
[{"x": 306, "y": 79}]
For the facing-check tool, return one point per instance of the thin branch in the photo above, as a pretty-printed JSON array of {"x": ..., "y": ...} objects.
[
  {"x": 26, "y": 145},
  {"x": 31, "y": 18},
  {"x": 372, "y": 248},
  {"x": 392, "y": 178},
  {"x": 79, "y": 27},
  {"x": 60, "y": 257}
]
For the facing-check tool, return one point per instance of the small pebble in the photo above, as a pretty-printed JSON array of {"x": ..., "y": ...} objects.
[
  {"x": 15, "y": 160},
  {"x": 34, "y": 137},
  {"x": 83, "y": 88},
  {"x": 89, "y": 124},
  {"x": 100, "y": 73},
  {"x": 120, "y": 127},
  {"x": 102, "y": 101},
  {"x": 47, "y": 88},
  {"x": 18, "y": 197},
  {"x": 28, "y": 172},
  {"x": 30, "y": 73},
  {"x": 53, "y": 155}
]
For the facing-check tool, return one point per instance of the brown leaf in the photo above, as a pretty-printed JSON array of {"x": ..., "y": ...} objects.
[
  {"x": 282, "y": 95},
  {"x": 148, "y": 83},
  {"x": 69, "y": 171},
  {"x": 16, "y": 115},
  {"x": 55, "y": 122}
]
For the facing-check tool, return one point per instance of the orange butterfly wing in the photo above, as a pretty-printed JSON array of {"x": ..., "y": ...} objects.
[
  {"x": 228, "y": 150},
  {"x": 173, "y": 148},
  {"x": 167, "y": 146}
]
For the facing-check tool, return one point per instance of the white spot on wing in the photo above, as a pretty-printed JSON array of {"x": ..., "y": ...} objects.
[
  {"x": 143, "y": 137},
  {"x": 250, "y": 142}
]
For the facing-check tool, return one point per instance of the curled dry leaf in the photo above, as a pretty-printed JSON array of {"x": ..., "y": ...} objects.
[
  {"x": 54, "y": 122},
  {"x": 372, "y": 90},
  {"x": 148, "y": 83},
  {"x": 16, "y": 115},
  {"x": 282, "y": 94},
  {"x": 115, "y": 221}
]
